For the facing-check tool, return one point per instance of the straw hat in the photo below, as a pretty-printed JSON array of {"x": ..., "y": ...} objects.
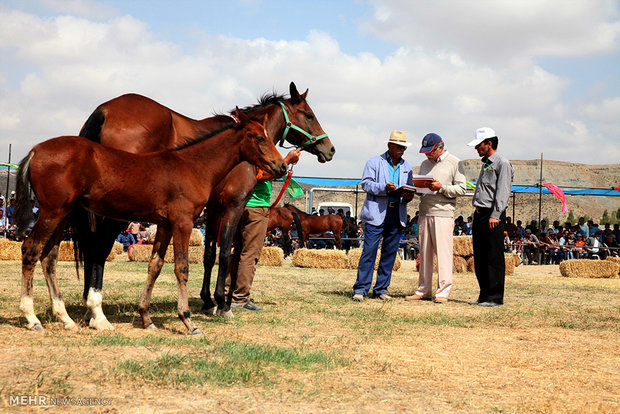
[{"x": 398, "y": 138}]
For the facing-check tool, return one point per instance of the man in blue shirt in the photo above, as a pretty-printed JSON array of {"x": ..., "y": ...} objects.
[
  {"x": 126, "y": 239},
  {"x": 384, "y": 215}
]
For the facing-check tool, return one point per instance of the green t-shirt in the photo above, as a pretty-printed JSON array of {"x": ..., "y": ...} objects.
[{"x": 261, "y": 197}]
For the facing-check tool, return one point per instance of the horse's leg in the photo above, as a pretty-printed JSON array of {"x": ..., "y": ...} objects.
[
  {"x": 162, "y": 240},
  {"x": 180, "y": 242},
  {"x": 287, "y": 243},
  {"x": 102, "y": 242},
  {"x": 208, "y": 306},
  {"x": 32, "y": 247},
  {"x": 49, "y": 259},
  {"x": 230, "y": 223},
  {"x": 338, "y": 241}
]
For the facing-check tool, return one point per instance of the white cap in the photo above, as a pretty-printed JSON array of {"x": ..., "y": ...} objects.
[{"x": 482, "y": 134}]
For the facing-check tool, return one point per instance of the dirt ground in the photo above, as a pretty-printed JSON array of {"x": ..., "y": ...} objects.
[{"x": 552, "y": 348}]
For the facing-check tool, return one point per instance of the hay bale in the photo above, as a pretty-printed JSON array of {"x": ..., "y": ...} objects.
[
  {"x": 516, "y": 259},
  {"x": 65, "y": 252},
  {"x": 353, "y": 259},
  {"x": 111, "y": 256},
  {"x": 470, "y": 264},
  {"x": 320, "y": 259},
  {"x": 142, "y": 253},
  {"x": 615, "y": 260},
  {"x": 587, "y": 268},
  {"x": 463, "y": 246},
  {"x": 459, "y": 264},
  {"x": 118, "y": 248},
  {"x": 510, "y": 263},
  {"x": 271, "y": 256},
  {"x": 10, "y": 250},
  {"x": 196, "y": 238}
]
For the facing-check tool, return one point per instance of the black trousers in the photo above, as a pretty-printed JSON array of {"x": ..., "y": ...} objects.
[{"x": 489, "y": 256}]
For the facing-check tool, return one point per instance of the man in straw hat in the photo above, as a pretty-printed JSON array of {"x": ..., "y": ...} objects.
[
  {"x": 490, "y": 201},
  {"x": 384, "y": 215},
  {"x": 436, "y": 222}
]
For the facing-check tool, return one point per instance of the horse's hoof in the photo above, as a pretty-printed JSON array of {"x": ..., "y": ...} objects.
[
  {"x": 100, "y": 325},
  {"x": 151, "y": 326},
  {"x": 225, "y": 314},
  {"x": 71, "y": 327},
  {"x": 37, "y": 327},
  {"x": 196, "y": 331},
  {"x": 209, "y": 311}
]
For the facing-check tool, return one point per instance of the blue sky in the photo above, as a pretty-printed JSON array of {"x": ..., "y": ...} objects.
[{"x": 543, "y": 74}]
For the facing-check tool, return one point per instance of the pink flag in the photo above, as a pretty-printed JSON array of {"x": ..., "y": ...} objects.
[{"x": 558, "y": 193}]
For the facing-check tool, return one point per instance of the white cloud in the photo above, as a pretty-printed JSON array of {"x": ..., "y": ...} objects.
[{"x": 66, "y": 66}]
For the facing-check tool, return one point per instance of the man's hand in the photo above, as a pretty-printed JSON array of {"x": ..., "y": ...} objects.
[
  {"x": 407, "y": 197},
  {"x": 292, "y": 157},
  {"x": 389, "y": 187},
  {"x": 434, "y": 185},
  {"x": 493, "y": 222}
]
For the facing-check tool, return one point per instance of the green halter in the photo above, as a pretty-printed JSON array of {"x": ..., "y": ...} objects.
[{"x": 289, "y": 125}]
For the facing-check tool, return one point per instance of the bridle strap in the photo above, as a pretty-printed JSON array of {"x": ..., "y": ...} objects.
[{"x": 288, "y": 125}]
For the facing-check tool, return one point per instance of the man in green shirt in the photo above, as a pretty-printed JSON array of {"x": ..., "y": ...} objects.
[{"x": 249, "y": 240}]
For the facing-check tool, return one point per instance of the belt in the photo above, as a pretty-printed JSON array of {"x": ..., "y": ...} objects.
[
  {"x": 481, "y": 209},
  {"x": 392, "y": 204}
]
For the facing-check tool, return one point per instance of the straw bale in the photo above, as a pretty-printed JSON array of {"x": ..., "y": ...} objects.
[
  {"x": 118, "y": 248},
  {"x": 10, "y": 250},
  {"x": 517, "y": 259},
  {"x": 196, "y": 238},
  {"x": 142, "y": 253},
  {"x": 459, "y": 264},
  {"x": 111, "y": 256},
  {"x": 510, "y": 263},
  {"x": 353, "y": 259},
  {"x": 617, "y": 261},
  {"x": 271, "y": 256},
  {"x": 320, "y": 259},
  {"x": 463, "y": 246},
  {"x": 65, "y": 252},
  {"x": 470, "y": 264},
  {"x": 587, "y": 268}
]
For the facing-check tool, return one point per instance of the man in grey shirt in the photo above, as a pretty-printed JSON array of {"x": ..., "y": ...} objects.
[{"x": 490, "y": 201}]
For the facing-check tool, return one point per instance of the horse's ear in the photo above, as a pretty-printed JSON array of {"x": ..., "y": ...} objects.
[
  {"x": 243, "y": 118},
  {"x": 295, "y": 96},
  {"x": 265, "y": 119}
]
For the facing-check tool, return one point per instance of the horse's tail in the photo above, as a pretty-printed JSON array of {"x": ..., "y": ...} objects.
[
  {"x": 23, "y": 216},
  {"x": 92, "y": 127},
  {"x": 300, "y": 232}
]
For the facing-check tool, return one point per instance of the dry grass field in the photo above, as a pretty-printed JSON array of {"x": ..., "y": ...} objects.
[{"x": 553, "y": 347}]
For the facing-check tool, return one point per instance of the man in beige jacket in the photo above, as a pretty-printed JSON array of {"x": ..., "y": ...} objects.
[{"x": 436, "y": 222}]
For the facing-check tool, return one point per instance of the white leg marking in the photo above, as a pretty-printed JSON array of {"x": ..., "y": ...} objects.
[
  {"x": 26, "y": 305},
  {"x": 58, "y": 308},
  {"x": 98, "y": 320}
]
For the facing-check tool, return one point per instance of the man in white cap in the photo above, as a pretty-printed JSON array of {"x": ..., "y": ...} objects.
[
  {"x": 490, "y": 201},
  {"x": 384, "y": 215},
  {"x": 436, "y": 222}
]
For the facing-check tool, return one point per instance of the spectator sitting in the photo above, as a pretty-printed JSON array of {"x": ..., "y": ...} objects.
[
  {"x": 511, "y": 228},
  {"x": 4, "y": 224},
  {"x": 595, "y": 243},
  {"x": 530, "y": 246},
  {"x": 612, "y": 243},
  {"x": 126, "y": 239},
  {"x": 555, "y": 250},
  {"x": 579, "y": 246},
  {"x": 143, "y": 235}
]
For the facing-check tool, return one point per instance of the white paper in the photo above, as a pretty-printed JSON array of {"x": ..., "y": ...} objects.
[{"x": 424, "y": 190}]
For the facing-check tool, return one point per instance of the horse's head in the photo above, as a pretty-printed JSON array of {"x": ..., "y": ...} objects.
[
  {"x": 258, "y": 147},
  {"x": 302, "y": 128}
]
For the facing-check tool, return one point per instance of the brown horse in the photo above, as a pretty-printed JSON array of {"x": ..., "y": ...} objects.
[
  {"x": 318, "y": 225},
  {"x": 283, "y": 218},
  {"x": 172, "y": 189},
  {"x": 138, "y": 124}
]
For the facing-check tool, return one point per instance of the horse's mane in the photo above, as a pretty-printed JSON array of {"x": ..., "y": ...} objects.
[
  {"x": 193, "y": 141},
  {"x": 298, "y": 211},
  {"x": 265, "y": 100}
]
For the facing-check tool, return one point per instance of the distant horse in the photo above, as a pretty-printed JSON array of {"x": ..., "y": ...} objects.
[
  {"x": 317, "y": 225},
  {"x": 283, "y": 218},
  {"x": 169, "y": 188},
  {"x": 138, "y": 124}
]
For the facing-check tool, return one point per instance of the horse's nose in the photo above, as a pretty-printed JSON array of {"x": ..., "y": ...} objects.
[{"x": 282, "y": 169}]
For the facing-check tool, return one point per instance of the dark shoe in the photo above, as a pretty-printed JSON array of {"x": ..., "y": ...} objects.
[
  {"x": 248, "y": 306},
  {"x": 490, "y": 304},
  {"x": 358, "y": 297}
]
